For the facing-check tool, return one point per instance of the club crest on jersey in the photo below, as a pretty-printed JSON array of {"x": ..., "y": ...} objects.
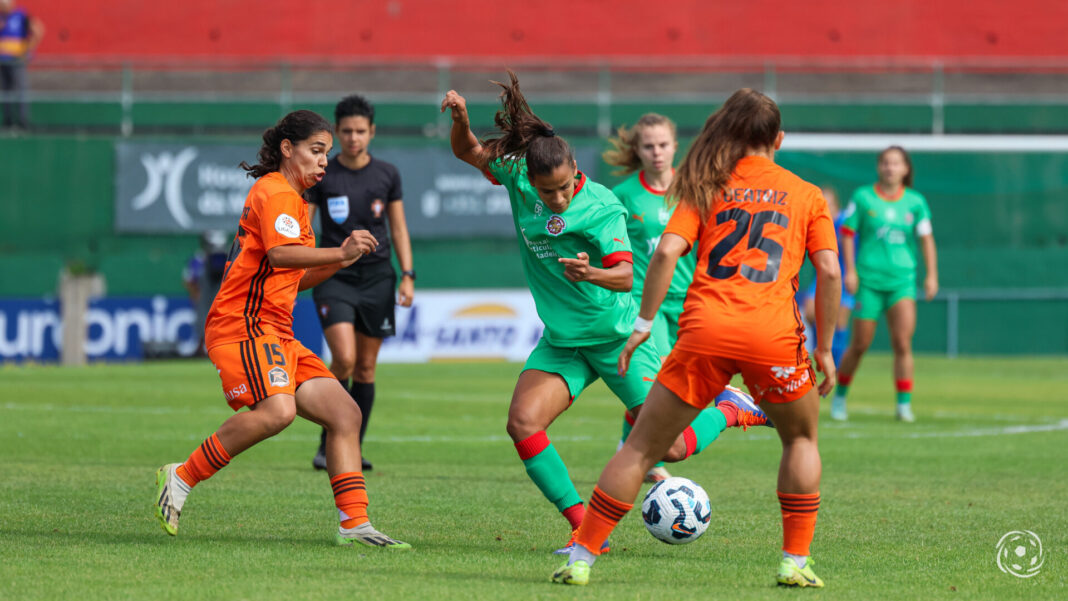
[
  {"x": 555, "y": 225},
  {"x": 278, "y": 377},
  {"x": 338, "y": 207},
  {"x": 377, "y": 206},
  {"x": 287, "y": 226},
  {"x": 909, "y": 218}
]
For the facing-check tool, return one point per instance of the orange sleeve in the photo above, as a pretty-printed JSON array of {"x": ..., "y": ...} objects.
[
  {"x": 686, "y": 222},
  {"x": 821, "y": 234},
  {"x": 280, "y": 222}
]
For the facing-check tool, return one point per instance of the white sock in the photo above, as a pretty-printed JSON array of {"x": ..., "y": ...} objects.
[
  {"x": 180, "y": 490},
  {"x": 580, "y": 553},
  {"x": 364, "y": 528},
  {"x": 800, "y": 560}
]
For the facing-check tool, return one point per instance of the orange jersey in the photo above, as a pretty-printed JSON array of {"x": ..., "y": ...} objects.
[
  {"x": 741, "y": 302},
  {"x": 256, "y": 299}
]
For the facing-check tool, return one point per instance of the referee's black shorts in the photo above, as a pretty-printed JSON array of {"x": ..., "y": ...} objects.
[{"x": 364, "y": 297}]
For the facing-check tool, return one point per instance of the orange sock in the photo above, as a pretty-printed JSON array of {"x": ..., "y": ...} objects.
[
  {"x": 350, "y": 496},
  {"x": 602, "y": 514},
  {"x": 209, "y": 458},
  {"x": 798, "y": 521}
]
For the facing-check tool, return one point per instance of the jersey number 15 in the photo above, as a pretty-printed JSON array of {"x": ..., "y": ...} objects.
[{"x": 753, "y": 224}]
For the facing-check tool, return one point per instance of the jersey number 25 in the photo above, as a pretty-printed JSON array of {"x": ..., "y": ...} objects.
[{"x": 753, "y": 224}]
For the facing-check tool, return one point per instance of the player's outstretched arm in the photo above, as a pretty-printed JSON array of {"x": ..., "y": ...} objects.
[
  {"x": 464, "y": 144},
  {"x": 828, "y": 299}
]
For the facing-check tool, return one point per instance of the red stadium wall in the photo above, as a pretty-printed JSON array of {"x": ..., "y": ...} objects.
[{"x": 423, "y": 29}]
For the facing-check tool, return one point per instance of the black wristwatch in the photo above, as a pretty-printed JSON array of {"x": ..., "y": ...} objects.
[{"x": 409, "y": 273}]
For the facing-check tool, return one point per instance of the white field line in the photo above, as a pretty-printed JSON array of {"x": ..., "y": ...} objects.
[{"x": 833, "y": 432}]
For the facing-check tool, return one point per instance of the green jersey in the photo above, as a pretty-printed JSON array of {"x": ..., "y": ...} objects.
[
  {"x": 574, "y": 313},
  {"x": 646, "y": 218},
  {"x": 886, "y": 232}
]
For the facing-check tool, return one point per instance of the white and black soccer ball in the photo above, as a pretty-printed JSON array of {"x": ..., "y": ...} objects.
[{"x": 676, "y": 511}]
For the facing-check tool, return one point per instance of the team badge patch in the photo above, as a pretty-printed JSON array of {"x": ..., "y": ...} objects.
[
  {"x": 555, "y": 225},
  {"x": 278, "y": 377},
  {"x": 377, "y": 206},
  {"x": 287, "y": 226},
  {"x": 338, "y": 207}
]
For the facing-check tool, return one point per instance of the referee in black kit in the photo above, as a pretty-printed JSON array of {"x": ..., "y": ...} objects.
[{"x": 355, "y": 306}]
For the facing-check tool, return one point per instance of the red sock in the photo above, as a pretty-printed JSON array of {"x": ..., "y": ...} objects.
[
  {"x": 845, "y": 380},
  {"x": 574, "y": 515},
  {"x": 798, "y": 521},
  {"x": 209, "y": 458},
  {"x": 903, "y": 385},
  {"x": 350, "y": 496},
  {"x": 730, "y": 412},
  {"x": 690, "y": 438},
  {"x": 601, "y": 518}
]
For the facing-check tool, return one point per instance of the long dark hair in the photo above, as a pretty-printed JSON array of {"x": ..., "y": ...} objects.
[
  {"x": 295, "y": 127},
  {"x": 524, "y": 134},
  {"x": 747, "y": 120},
  {"x": 907, "y": 181},
  {"x": 624, "y": 151}
]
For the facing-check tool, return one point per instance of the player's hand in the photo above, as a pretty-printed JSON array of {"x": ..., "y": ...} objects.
[
  {"x": 930, "y": 287},
  {"x": 636, "y": 339},
  {"x": 405, "y": 292},
  {"x": 458, "y": 105},
  {"x": 851, "y": 281},
  {"x": 577, "y": 269},
  {"x": 358, "y": 244},
  {"x": 825, "y": 364}
]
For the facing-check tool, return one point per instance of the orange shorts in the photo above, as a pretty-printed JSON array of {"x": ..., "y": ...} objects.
[
  {"x": 697, "y": 378},
  {"x": 252, "y": 370}
]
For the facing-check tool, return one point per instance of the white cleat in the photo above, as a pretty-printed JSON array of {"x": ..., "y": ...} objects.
[
  {"x": 365, "y": 534},
  {"x": 657, "y": 474},
  {"x": 904, "y": 413},
  {"x": 169, "y": 497},
  {"x": 838, "y": 409}
]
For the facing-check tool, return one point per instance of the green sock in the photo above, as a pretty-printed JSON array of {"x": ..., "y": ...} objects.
[
  {"x": 626, "y": 432},
  {"x": 904, "y": 398},
  {"x": 705, "y": 429},
  {"x": 547, "y": 470},
  {"x": 842, "y": 390}
]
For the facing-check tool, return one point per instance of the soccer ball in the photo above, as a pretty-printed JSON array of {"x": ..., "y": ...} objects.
[{"x": 676, "y": 511}]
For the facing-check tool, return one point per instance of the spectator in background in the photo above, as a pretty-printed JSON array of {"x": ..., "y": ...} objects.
[
  {"x": 19, "y": 35},
  {"x": 202, "y": 277}
]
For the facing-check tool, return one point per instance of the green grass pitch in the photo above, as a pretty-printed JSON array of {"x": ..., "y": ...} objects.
[{"x": 910, "y": 511}]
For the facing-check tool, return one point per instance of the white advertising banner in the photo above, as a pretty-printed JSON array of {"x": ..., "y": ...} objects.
[{"x": 463, "y": 325}]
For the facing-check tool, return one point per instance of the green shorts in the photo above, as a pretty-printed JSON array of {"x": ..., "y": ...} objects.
[
  {"x": 580, "y": 366},
  {"x": 870, "y": 303}
]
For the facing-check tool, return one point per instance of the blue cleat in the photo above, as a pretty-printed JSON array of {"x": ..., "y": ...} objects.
[{"x": 749, "y": 413}]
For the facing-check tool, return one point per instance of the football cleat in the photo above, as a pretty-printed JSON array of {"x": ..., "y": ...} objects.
[
  {"x": 749, "y": 413},
  {"x": 365, "y": 534},
  {"x": 904, "y": 413},
  {"x": 838, "y": 409},
  {"x": 166, "y": 510},
  {"x": 792, "y": 575},
  {"x": 576, "y": 573},
  {"x": 657, "y": 474},
  {"x": 566, "y": 550}
]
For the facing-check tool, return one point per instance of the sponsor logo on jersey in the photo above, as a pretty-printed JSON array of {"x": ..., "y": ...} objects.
[
  {"x": 338, "y": 208},
  {"x": 278, "y": 377},
  {"x": 665, "y": 215},
  {"x": 287, "y": 226},
  {"x": 377, "y": 206},
  {"x": 555, "y": 225}
]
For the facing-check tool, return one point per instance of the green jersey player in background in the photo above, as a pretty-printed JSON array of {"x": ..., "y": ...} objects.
[
  {"x": 888, "y": 218},
  {"x": 577, "y": 261},
  {"x": 646, "y": 152}
]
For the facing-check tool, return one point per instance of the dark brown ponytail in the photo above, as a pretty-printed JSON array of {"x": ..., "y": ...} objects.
[{"x": 524, "y": 134}]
